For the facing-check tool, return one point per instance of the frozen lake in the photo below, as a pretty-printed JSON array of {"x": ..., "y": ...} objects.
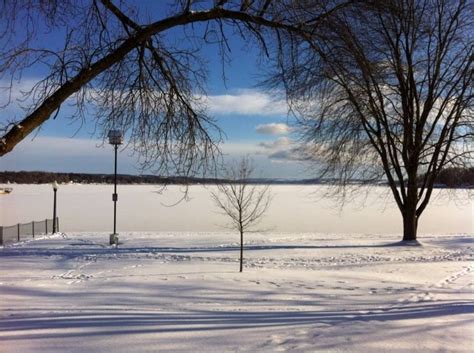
[{"x": 294, "y": 208}]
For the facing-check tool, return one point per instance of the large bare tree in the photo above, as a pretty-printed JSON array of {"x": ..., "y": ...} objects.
[
  {"x": 118, "y": 63},
  {"x": 241, "y": 201},
  {"x": 384, "y": 91}
]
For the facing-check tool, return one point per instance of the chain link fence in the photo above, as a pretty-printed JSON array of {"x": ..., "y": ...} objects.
[{"x": 25, "y": 231}]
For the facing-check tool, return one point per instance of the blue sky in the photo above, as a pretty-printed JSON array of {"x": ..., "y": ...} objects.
[{"x": 255, "y": 123}]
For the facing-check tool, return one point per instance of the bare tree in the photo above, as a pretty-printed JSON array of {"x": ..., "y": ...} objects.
[
  {"x": 244, "y": 203},
  {"x": 384, "y": 91},
  {"x": 116, "y": 62}
]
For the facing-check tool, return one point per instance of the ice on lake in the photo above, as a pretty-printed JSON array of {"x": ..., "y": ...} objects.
[{"x": 294, "y": 208}]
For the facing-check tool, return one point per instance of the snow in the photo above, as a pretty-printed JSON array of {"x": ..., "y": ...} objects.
[
  {"x": 294, "y": 209},
  {"x": 182, "y": 292},
  {"x": 316, "y": 280}
]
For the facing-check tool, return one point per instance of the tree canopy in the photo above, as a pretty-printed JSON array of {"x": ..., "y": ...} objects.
[
  {"x": 119, "y": 60},
  {"x": 385, "y": 91}
]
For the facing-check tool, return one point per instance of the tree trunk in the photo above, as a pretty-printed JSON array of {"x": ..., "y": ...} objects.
[
  {"x": 410, "y": 219},
  {"x": 241, "y": 250},
  {"x": 410, "y": 225}
]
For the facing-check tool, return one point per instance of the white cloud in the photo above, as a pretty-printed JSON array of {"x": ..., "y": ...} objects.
[
  {"x": 279, "y": 143},
  {"x": 292, "y": 154},
  {"x": 239, "y": 148},
  {"x": 273, "y": 129},
  {"x": 284, "y": 149},
  {"x": 243, "y": 102},
  {"x": 246, "y": 102}
]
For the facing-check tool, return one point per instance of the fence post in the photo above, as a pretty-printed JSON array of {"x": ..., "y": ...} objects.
[
  {"x": 33, "y": 228},
  {"x": 57, "y": 224},
  {"x": 1, "y": 235},
  {"x": 46, "y": 225},
  {"x": 18, "y": 229}
]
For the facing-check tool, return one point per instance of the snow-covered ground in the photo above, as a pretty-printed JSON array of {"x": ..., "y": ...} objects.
[
  {"x": 181, "y": 292},
  {"x": 173, "y": 283}
]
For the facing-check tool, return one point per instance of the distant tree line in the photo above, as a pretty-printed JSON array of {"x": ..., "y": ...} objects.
[
  {"x": 456, "y": 177},
  {"x": 450, "y": 177},
  {"x": 36, "y": 177}
]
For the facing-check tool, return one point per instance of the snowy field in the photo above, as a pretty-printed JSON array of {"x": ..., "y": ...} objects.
[
  {"x": 181, "y": 292},
  {"x": 317, "y": 280}
]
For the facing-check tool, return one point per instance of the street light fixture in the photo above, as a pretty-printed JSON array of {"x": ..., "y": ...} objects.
[
  {"x": 115, "y": 139},
  {"x": 55, "y": 189}
]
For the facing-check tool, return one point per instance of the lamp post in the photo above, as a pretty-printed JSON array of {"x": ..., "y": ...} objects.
[
  {"x": 55, "y": 189},
  {"x": 115, "y": 139}
]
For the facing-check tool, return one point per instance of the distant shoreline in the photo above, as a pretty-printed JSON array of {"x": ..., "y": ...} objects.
[{"x": 41, "y": 177}]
